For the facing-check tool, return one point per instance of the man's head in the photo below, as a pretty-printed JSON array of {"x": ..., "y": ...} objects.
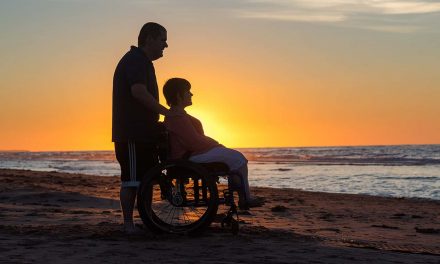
[
  {"x": 176, "y": 92},
  {"x": 152, "y": 40}
]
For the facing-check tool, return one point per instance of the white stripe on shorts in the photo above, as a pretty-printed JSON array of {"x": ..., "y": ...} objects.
[{"x": 132, "y": 161}]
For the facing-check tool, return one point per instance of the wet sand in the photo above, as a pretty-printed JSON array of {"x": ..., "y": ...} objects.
[{"x": 49, "y": 217}]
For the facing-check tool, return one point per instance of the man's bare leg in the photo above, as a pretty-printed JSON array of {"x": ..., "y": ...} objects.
[{"x": 127, "y": 197}]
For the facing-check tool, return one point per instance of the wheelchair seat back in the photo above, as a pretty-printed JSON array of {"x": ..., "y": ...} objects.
[{"x": 163, "y": 143}]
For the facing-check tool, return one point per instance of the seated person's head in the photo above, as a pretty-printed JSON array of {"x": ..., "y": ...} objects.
[{"x": 176, "y": 92}]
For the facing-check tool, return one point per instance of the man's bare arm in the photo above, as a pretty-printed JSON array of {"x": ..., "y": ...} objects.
[{"x": 140, "y": 93}]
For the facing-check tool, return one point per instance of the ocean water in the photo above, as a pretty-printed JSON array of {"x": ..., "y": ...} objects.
[{"x": 396, "y": 171}]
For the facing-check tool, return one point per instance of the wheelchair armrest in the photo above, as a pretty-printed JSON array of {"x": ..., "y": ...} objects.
[
  {"x": 215, "y": 167},
  {"x": 212, "y": 168}
]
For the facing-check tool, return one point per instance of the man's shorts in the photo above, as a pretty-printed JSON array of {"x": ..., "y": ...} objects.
[{"x": 135, "y": 159}]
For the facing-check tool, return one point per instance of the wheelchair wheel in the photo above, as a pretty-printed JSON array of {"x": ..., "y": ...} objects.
[{"x": 178, "y": 198}]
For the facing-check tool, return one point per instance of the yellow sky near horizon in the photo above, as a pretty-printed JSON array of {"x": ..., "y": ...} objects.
[{"x": 258, "y": 80}]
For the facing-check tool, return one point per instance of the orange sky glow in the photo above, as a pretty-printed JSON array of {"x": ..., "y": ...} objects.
[{"x": 260, "y": 77}]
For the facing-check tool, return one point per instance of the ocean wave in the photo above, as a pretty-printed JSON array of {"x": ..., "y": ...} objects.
[
  {"x": 421, "y": 178},
  {"x": 411, "y": 155},
  {"x": 59, "y": 155},
  {"x": 375, "y": 155},
  {"x": 345, "y": 161},
  {"x": 385, "y": 170}
]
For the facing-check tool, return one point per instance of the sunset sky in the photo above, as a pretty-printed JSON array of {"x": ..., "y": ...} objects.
[{"x": 263, "y": 73}]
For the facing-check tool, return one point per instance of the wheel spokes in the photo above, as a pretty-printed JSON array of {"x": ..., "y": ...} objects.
[{"x": 173, "y": 213}]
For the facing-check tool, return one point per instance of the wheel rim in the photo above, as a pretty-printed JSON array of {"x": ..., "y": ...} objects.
[{"x": 175, "y": 205}]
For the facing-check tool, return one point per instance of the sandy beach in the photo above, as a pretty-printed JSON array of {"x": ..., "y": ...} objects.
[{"x": 50, "y": 217}]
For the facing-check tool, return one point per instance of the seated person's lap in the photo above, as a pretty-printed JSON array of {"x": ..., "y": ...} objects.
[{"x": 234, "y": 159}]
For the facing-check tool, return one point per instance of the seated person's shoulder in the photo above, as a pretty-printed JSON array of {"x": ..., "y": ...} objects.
[
  {"x": 176, "y": 118},
  {"x": 170, "y": 121}
]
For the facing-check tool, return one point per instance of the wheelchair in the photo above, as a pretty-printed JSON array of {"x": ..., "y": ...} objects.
[{"x": 182, "y": 197}]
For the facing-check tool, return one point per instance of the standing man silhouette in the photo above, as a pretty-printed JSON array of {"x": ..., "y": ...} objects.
[{"x": 136, "y": 112}]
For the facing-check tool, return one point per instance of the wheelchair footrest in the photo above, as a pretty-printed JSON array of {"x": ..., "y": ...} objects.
[
  {"x": 228, "y": 197},
  {"x": 221, "y": 201}
]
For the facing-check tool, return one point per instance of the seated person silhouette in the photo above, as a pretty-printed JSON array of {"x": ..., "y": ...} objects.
[{"x": 187, "y": 138}]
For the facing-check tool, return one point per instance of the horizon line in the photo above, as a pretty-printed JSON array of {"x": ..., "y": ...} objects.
[{"x": 271, "y": 147}]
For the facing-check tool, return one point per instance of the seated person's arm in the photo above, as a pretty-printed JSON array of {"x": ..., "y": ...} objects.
[{"x": 187, "y": 134}]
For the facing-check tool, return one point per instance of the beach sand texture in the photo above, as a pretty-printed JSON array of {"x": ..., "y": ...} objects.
[{"x": 49, "y": 217}]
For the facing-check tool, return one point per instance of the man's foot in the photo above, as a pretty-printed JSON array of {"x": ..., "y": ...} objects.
[
  {"x": 131, "y": 229},
  {"x": 250, "y": 203}
]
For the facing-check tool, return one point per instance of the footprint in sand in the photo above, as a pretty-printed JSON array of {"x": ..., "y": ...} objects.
[{"x": 279, "y": 208}]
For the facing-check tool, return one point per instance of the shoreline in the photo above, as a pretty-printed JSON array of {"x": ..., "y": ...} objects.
[{"x": 46, "y": 212}]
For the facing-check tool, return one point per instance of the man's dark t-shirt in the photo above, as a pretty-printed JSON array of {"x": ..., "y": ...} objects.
[{"x": 132, "y": 121}]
